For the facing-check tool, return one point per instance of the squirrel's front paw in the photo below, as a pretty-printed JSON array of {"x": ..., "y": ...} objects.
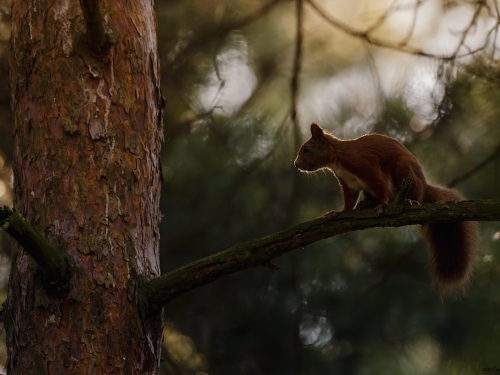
[
  {"x": 379, "y": 209},
  {"x": 330, "y": 215}
]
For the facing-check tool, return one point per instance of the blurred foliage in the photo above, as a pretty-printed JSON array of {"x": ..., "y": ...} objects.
[{"x": 361, "y": 303}]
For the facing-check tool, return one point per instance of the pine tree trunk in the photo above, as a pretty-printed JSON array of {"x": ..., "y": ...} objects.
[{"x": 87, "y": 176}]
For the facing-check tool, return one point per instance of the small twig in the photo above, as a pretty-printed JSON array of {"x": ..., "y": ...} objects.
[
  {"x": 476, "y": 169},
  {"x": 48, "y": 258},
  {"x": 96, "y": 36},
  {"x": 494, "y": 49},
  {"x": 403, "y": 192},
  {"x": 272, "y": 266},
  {"x": 296, "y": 70},
  {"x": 469, "y": 27}
]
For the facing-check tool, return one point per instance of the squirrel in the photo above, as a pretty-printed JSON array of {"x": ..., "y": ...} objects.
[{"x": 376, "y": 165}]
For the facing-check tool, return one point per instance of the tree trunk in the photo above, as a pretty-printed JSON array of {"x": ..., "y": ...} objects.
[{"x": 87, "y": 176}]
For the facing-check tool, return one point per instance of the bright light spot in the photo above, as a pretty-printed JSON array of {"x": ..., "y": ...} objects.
[
  {"x": 3, "y": 188},
  {"x": 4, "y": 272},
  {"x": 414, "y": 20},
  {"x": 496, "y": 236},
  {"x": 417, "y": 125},
  {"x": 422, "y": 356},
  {"x": 488, "y": 258},
  {"x": 236, "y": 84},
  {"x": 423, "y": 90},
  {"x": 315, "y": 330},
  {"x": 182, "y": 350},
  {"x": 325, "y": 102},
  {"x": 451, "y": 27},
  {"x": 338, "y": 283}
]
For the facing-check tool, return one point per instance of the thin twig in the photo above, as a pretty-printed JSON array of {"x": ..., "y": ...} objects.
[
  {"x": 476, "y": 169},
  {"x": 299, "y": 36},
  {"x": 403, "y": 192},
  {"x": 469, "y": 27},
  {"x": 494, "y": 49}
]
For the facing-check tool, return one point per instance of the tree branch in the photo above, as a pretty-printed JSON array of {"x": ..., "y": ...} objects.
[
  {"x": 96, "y": 36},
  {"x": 262, "y": 250},
  {"x": 52, "y": 262}
]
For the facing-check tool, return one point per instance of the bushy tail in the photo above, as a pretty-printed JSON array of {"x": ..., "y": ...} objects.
[{"x": 452, "y": 246}]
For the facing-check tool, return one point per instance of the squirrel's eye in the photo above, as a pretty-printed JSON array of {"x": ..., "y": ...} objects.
[{"x": 306, "y": 149}]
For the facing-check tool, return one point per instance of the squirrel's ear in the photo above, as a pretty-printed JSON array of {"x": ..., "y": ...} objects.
[{"x": 316, "y": 131}]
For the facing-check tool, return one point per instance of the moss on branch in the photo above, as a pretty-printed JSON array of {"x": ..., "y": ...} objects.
[
  {"x": 403, "y": 192},
  {"x": 50, "y": 260},
  {"x": 262, "y": 251}
]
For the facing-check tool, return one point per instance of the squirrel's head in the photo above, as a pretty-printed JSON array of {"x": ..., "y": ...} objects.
[{"x": 316, "y": 153}]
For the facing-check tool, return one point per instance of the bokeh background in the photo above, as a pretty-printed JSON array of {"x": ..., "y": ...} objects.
[{"x": 243, "y": 80}]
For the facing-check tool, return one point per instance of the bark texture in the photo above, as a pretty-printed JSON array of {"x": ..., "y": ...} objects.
[{"x": 87, "y": 176}]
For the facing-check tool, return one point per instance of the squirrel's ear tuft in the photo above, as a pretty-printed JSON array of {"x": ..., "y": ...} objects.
[{"x": 316, "y": 130}]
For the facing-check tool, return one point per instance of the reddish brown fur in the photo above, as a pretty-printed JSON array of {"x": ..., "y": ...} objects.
[{"x": 377, "y": 165}]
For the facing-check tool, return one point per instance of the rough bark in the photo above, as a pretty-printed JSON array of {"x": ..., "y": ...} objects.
[{"x": 87, "y": 176}]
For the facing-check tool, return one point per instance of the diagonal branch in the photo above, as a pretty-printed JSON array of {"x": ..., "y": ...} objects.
[
  {"x": 365, "y": 34},
  {"x": 472, "y": 23},
  {"x": 401, "y": 47},
  {"x": 476, "y": 169},
  {"x": 263, "y": 250},
  {"x": 52, "y": 262}
]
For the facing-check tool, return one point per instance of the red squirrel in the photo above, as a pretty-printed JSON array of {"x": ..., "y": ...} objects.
[{"x": 376, "y": 165}]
